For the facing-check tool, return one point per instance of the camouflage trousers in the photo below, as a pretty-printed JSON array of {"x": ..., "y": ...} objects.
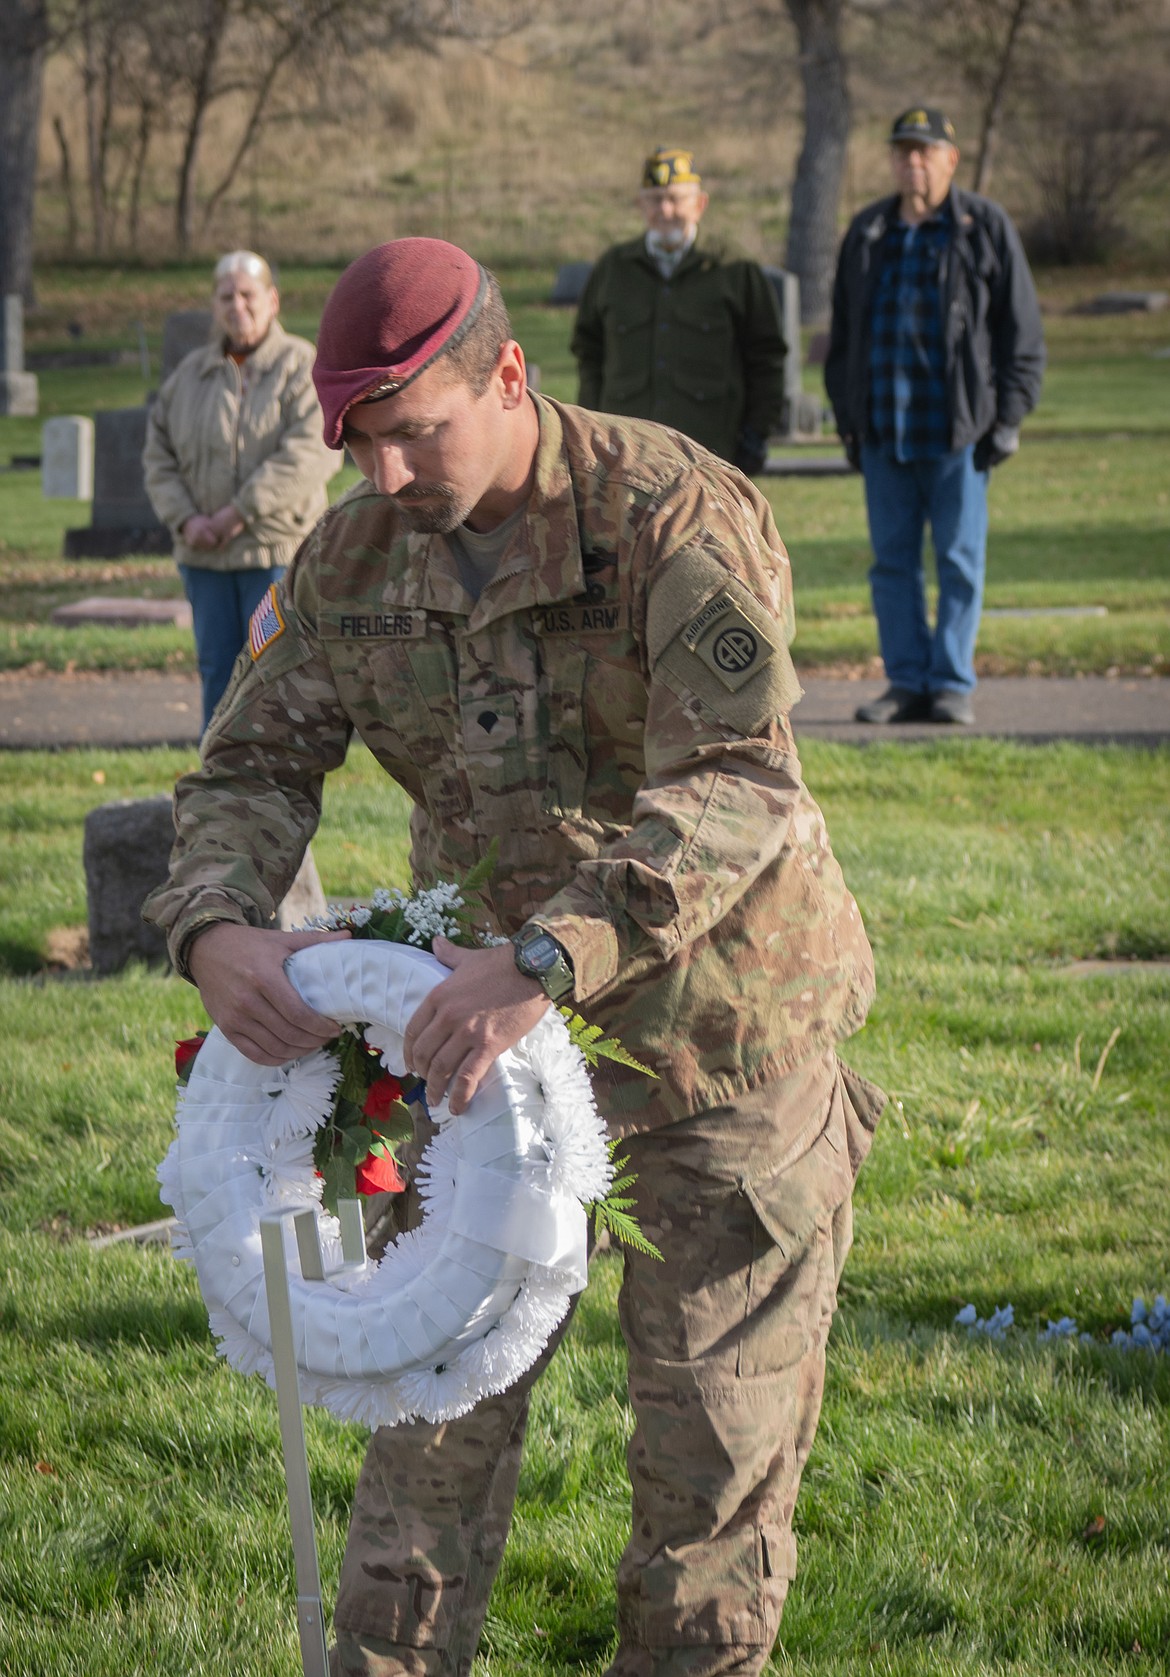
[{"x": 750, "y": 1205}]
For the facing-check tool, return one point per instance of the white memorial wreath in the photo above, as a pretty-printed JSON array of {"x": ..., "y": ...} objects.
[{"x": 458, "y": 1308}]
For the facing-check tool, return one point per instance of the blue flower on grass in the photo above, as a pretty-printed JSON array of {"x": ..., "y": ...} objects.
[
  {"x": 1149, "y": 1330},
  {"x": 994, "y": 1326}
]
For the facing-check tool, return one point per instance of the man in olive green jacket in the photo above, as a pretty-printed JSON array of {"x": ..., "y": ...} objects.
[{"x": 672, "y": 330}]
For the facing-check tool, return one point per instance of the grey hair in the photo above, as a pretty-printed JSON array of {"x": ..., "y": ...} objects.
[{"x": 244, "y": 262}]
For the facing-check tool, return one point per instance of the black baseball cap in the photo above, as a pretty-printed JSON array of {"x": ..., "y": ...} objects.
[{"x": 925, "y": 124}]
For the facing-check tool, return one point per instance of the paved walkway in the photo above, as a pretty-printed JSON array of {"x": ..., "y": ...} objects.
[{"x": 108, "y": 711}]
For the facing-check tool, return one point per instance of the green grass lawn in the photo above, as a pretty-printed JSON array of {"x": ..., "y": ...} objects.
[
  {"x": 970, "y": 1508},
  {"x": 1082, "y": 517}
]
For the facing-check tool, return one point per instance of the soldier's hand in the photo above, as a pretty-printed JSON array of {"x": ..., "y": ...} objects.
[
  {"x": 468, "y": 1020},
  {"x": 241, "y": 978}
]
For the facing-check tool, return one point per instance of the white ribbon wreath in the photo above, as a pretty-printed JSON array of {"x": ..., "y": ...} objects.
[{"x": 460, "y": 1307}]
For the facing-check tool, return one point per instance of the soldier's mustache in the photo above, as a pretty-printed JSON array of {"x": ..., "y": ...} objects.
[{"x": 425, "y": 492}]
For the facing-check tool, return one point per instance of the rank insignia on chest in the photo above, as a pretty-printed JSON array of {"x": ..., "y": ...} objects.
[
  {"x": 266, "y": 624},
  {"x": 728, "y": 642}
]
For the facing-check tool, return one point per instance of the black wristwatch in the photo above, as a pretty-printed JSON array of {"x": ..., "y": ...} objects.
[{"x": 540, "y": 956}]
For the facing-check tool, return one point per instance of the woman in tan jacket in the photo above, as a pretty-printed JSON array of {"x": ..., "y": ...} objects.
[{"x": 235, "y": 462}]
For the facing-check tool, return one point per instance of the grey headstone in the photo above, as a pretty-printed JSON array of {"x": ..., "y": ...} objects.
[
  {"x": 1126, "y": 302},
  {"x": 532, "y": 370},
  {"x": 126, "y": 854},
  {"x": 126, "y": 850},
  {"x": 19, "y": 392},
  {"x": 807, "y": 465},
  {"x": 67, "y": 458},
  {"x": 12, "y": 334},
  {"x": 570, "y": 282},
  {"x": 127, "y": 613},
  {"x": 806, "y": 416},
  {"x": 787, "y": 289},
  {"x": 183, "y": 331},
  {"x": 119, "y": 489},
  {"x": 123, "y": 520},
  {"x": 305, "y": 899}
]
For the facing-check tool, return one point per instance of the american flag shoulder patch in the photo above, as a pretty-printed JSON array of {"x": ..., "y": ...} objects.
[{"x": 266, "y": 624}]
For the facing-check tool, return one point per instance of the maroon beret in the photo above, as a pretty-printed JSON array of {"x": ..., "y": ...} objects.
[{"x": 390, "y": 315}]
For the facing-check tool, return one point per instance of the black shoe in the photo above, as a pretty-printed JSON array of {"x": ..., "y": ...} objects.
[
  {"x": 952, "y": 707},
  {"x": 897, "y": 704}
]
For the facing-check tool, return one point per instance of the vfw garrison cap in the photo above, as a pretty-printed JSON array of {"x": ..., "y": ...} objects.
[
  {"x": 392, "y": 313},
  {"x": 670, "y": 166},
  {"x": 923, "y": 123}
]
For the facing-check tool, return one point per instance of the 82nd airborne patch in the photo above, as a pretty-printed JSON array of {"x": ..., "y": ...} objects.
[
  {"x": 728, "y": 642},
  {"x": 265, "y": 625}
]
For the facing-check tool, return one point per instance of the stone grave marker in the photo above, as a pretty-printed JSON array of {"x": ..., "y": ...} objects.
[
  {"x": 67, "y": 458},
  {"x": 803, "y": 411},
  {"x": 19, "y": 391},
  {"x": 126, "y": 852},
  {"x": 570, "y": 283},
  {"x": 126, "y": 613},
  {"x": 183, "y": 331},
  {"x": 1126, "y": 302},
  {"x": 123, "y": 519}
]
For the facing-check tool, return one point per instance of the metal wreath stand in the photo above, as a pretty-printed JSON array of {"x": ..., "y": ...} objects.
[{"x": 458, "y": 1308}]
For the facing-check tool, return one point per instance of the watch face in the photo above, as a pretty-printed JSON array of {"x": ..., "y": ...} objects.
[{"x": 541, "y": 953}]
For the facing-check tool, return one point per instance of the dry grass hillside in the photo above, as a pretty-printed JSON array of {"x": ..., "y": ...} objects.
[{"x": 526, "y": 150}]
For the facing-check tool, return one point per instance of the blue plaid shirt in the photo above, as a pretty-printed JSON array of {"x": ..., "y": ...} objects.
[{"x": 908, "y": 411}]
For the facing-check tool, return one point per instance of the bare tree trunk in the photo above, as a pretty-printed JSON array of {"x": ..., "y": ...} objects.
[
  {"x": 24, "y": 33},
  {"x": 989, "y": 129},
  {"x": 71, "y": 222},
  {"x": 251, "y": 129},
  {"x": 99, "y": 63},
  {"x": 142, "y": 146},
  {"x": 312, "y": 22},
  {"x": 89, "y": 81},
  {"x": 816, "y": 190},
  {"x": 215, "y": 13}
]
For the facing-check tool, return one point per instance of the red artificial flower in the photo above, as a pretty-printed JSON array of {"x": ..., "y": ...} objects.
[
  {"x": 381, "y": 1097},
  {"x": 186, "y": 1051},
  {"x": 378, "y": 1173}
]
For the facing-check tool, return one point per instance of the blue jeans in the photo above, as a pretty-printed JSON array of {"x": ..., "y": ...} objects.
[
  {"x": 221, "y": 604},
  {"x": 901, "y": 497}
]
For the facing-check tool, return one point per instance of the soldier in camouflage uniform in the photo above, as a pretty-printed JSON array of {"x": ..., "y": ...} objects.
[{"x": 569, "y": 634}]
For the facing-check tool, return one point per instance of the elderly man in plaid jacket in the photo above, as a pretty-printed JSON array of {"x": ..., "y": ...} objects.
[{"x": 935, "y": 356}]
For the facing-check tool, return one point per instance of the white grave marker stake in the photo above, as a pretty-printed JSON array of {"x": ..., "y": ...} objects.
[{"x": 310, "y": 1618}]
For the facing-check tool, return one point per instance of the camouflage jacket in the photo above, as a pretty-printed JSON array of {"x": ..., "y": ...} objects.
[{"x": 613, "y": 710}]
